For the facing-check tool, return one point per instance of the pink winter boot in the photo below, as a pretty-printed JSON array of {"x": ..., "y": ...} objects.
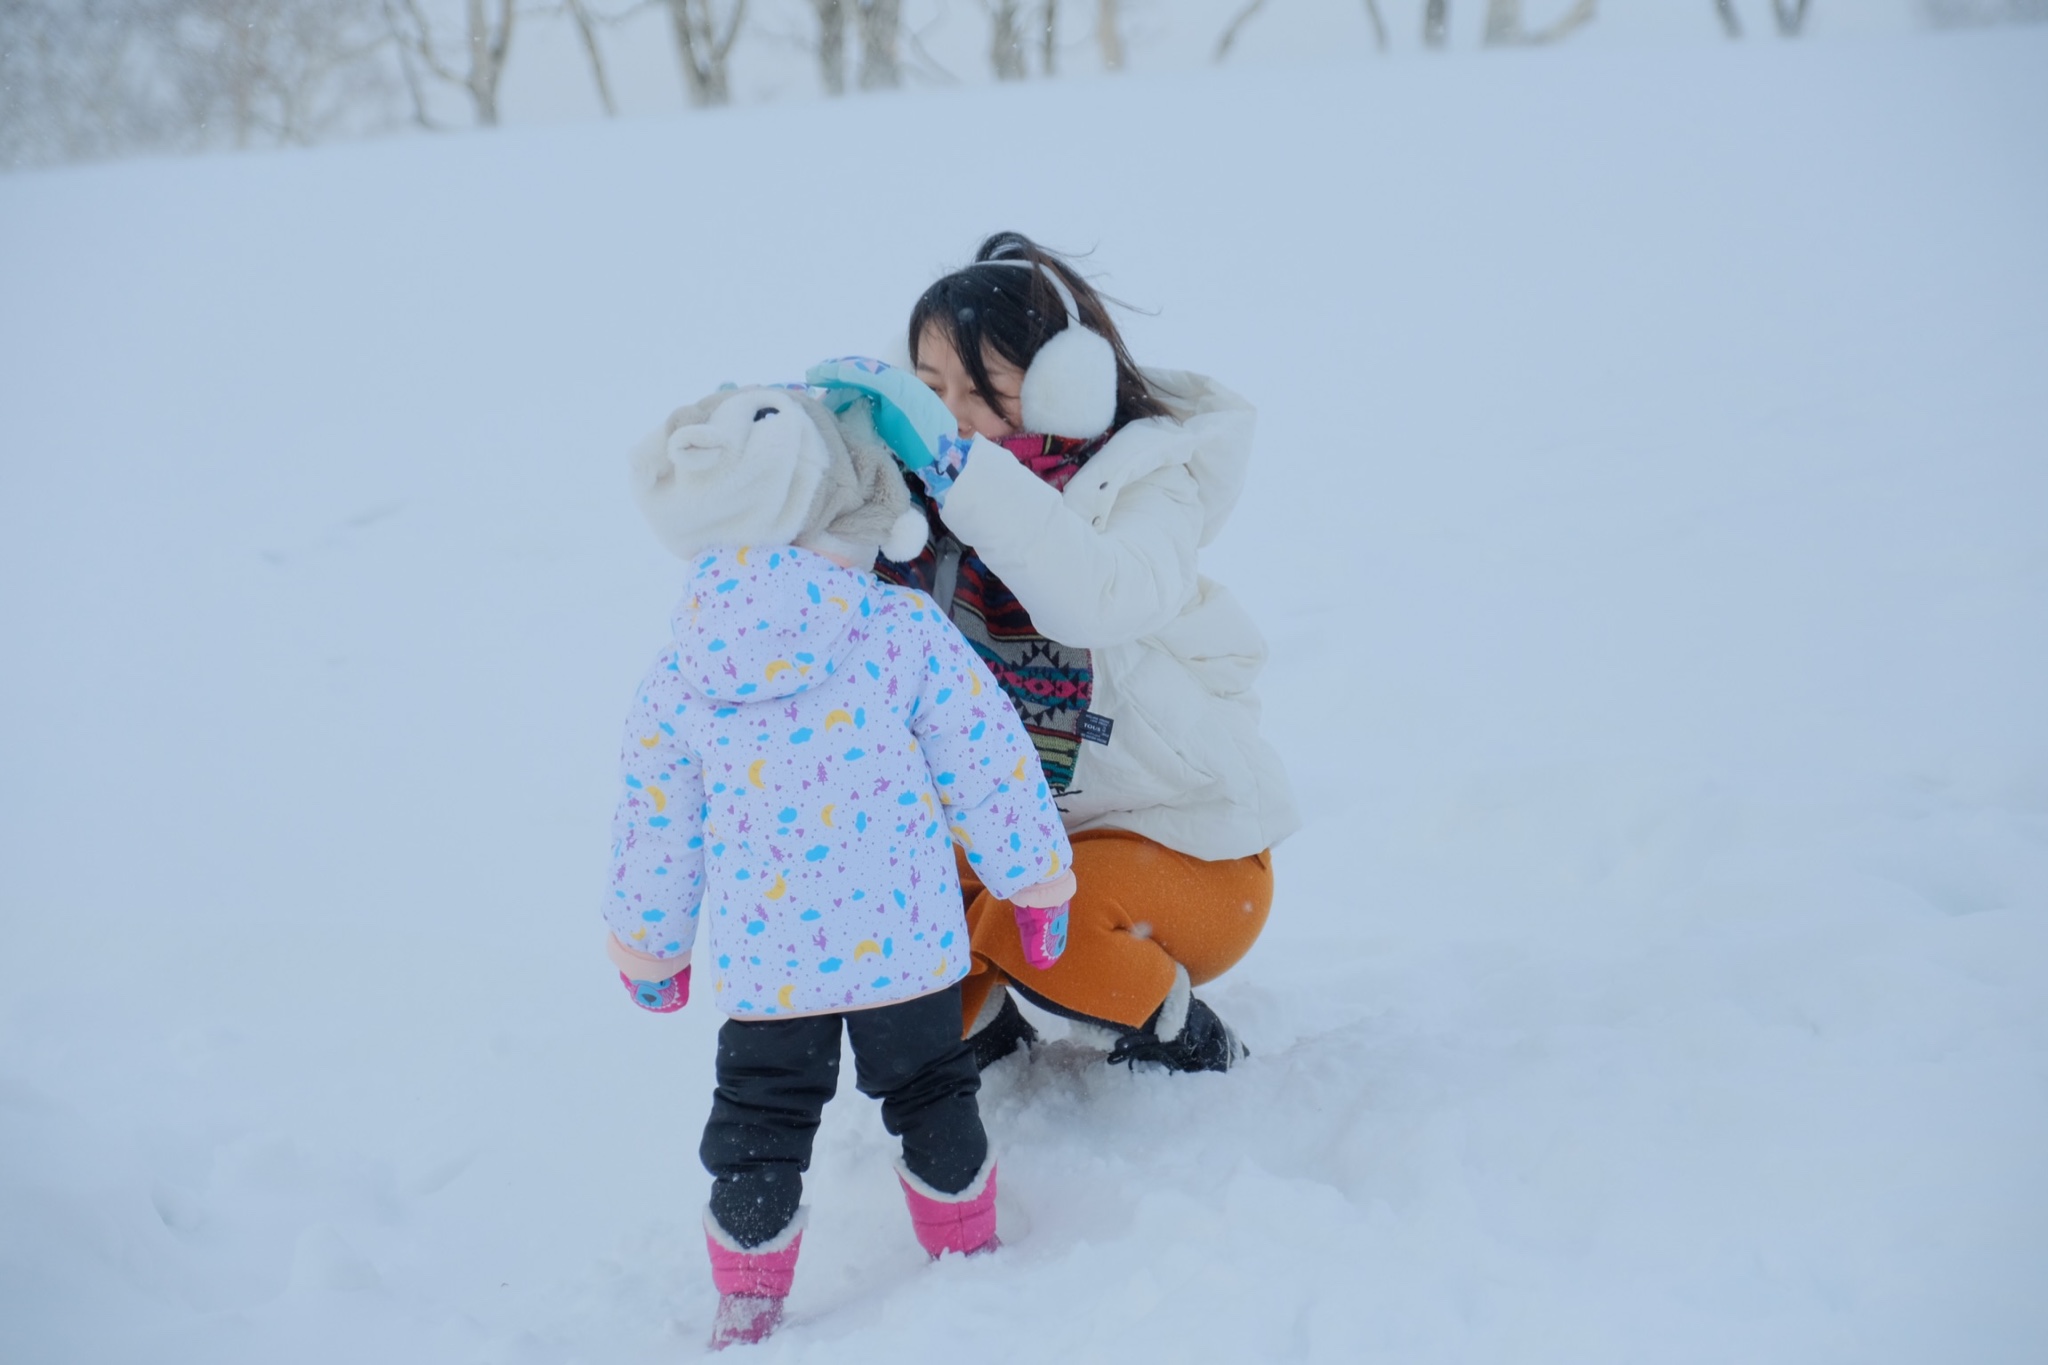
[
  {"x": 752, "y": 1281},
  {"x": 963, "y": 1222}
]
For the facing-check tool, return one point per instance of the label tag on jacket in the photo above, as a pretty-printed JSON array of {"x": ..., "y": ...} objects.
[{"x": 1095, "y": 729}]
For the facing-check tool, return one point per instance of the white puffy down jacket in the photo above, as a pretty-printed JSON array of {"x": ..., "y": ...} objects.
[{"x": 1109, "y": 564}]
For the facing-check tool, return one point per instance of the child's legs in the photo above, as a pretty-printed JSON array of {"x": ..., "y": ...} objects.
[
  {"x": 910, "y": 1057},
  {"x": 774, "y": 1078},
  {"x": 1141, "y": 909}
]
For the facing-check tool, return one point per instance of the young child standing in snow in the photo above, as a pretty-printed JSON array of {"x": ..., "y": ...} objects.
[{"x": 797, "y": 767}]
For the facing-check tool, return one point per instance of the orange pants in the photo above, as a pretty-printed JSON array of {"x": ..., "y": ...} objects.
[{"x": 1140, "y": 909}]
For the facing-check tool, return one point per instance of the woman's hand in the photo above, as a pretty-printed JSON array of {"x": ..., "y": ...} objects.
[
  {"x": 949, "y": 463},
  {"x": 908, "y": 415},
  {"x": 920, "y": 430}
]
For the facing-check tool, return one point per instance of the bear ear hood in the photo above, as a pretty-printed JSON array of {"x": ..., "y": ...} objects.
[
  {"x": 772, "y": 466},
  {"x": 761, "y": 624},
  {"x": 741, "y": 467}
]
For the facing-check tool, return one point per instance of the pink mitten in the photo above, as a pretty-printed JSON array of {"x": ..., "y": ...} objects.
[
  {"x": 1044, "y": 931},
  {"x": 663, "y": 997}
]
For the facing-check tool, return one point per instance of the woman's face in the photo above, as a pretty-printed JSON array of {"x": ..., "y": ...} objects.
[{"x": 938, "y": 365}]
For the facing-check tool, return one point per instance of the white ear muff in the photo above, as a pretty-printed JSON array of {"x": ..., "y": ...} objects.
[{"x": 1070, "y": 387}]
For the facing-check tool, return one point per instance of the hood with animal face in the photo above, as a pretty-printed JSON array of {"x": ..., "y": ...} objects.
[
  {"x": 774, "y": 466},
  {"x": 763, "y": 624}
]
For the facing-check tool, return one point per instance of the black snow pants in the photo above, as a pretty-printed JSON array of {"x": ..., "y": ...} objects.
[{"x": 775, "y": 1075}]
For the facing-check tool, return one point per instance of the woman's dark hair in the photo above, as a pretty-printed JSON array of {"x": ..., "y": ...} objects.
[{"x": 1014, "y": 312}]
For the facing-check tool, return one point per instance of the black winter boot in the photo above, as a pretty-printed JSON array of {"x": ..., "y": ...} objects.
[
  {"x": 1204, "y": 1043},
  {"x": 1002, "y": 1035}
]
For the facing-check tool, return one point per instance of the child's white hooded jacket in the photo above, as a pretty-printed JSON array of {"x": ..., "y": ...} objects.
[{"x": 796, "y": 769}]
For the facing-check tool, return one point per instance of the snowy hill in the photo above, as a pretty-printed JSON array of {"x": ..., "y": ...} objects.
[{"x": 1651, "y": 526}]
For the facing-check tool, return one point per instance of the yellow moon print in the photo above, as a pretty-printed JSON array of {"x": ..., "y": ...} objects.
[
  {"x": 973, "y": 682},
  {"x": 826, "y": 815},
  {"x": 778, "y": 666},
  {"x": 1019, "y": 774},
  {"x": 940, "y": 970},
  {"x": 782, "y": 996},
  {"x": 779, "y": 890},
  {"x": 839, "y": 602},
  {"x": 866, "y": 947},
  {"x": 742, "y": 556},
  {"x": 660, "y": 798},
  {"x": 835, "y": 718},
  {"x": 650, "y": 741},
  {"x": 966, "y": 842},
  {"x": 1055, "y": 866},
  {"x": 754, "y": 773}
]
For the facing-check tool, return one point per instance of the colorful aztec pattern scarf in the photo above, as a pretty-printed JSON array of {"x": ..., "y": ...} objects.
[{"x": 1049, "y": 684}]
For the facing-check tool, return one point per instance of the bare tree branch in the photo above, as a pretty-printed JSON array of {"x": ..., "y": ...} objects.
[
  {"x": 487, "y": 42},
  {"x": 419, "y": 36},
  {"x": 487, "y": 48},
  {"x": 1251, "y": 10},
  {"x": 86, "y": 79},
  {"x": 406, "y": 56},
  {"x": 1436, "y": 22},
  {"x": 830, "y": 46},
  {"x": 1229, "y": 38},
  {"x": 1504, "y": 23},
  {"x": 1006, "y": 39},
  {"x": 1578, "y": 16},
  {"x": 881, "y": 27},
  {"x": 1791, "y": 16},
  {"x": 928, "y": 66},
  {"x": 703, "y": 43},
  {"x": 1379, "y": 25},
  {"x": 282, "y": 70},
  {"x": 1109, "y": 35},
  {"x": 586, "y": 28}
]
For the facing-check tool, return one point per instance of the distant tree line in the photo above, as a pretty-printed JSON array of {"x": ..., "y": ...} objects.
[
  {"x": 82, "y": 79},
  {"x": 1506, "y": 26},
  {"x": 89, "y": 79}
]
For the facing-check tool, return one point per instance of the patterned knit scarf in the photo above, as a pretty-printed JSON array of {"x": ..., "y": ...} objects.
[{"x": 1049, "y": 684}]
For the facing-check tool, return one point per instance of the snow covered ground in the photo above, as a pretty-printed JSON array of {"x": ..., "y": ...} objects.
[{"x": 1651, "y": 528}]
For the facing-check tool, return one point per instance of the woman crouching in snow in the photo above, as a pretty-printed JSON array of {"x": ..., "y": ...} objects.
[
  {"x": 797, "y": 767},
  {"x": 1067, "y": 504}
]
